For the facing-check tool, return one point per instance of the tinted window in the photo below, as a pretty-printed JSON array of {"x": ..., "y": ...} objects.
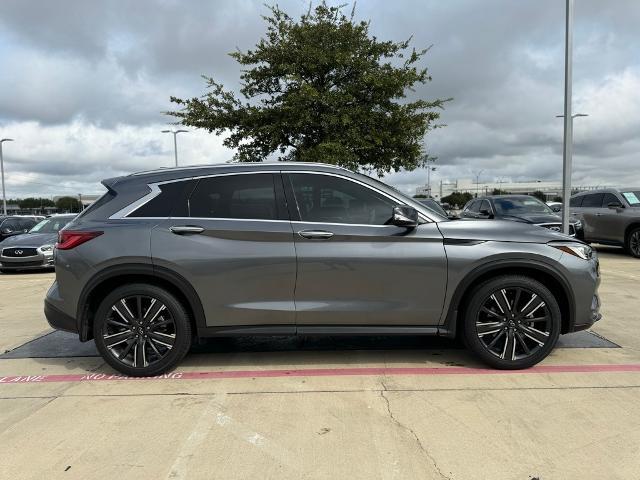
[
  {"x": 609, "y": 198},
  {"x": 11, "y": 224},
  {"x": 474, "y": 206},
  {"x": 576, "y": 201},
  {"x": 27, "y": 223},
  {"x": 51, "y": 225},
  {"x": 520, "y": 205},
  {"x": 485, "y": 205},
  {"x": 329, "y": 199},
  {"x": 235, "y": 196},
  {"x": 172, "y": 201},
  {"x": 593, "y": 200}
]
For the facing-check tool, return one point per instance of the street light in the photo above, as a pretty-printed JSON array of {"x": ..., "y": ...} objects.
[
  {"x": 175, "y": 143},
  {"x": 567, "y": 161},
  {"x": 429, "y": 170},
  {"x": 478, "y": 182},
  {"x": 4, "y": 195}
]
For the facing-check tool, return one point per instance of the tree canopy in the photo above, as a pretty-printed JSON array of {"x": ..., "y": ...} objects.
[
  {"x": 321, "y": 88},
  {"x": 68, "y": 204}
]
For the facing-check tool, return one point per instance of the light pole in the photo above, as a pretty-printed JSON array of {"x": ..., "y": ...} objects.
[
  {"x": 568, "y": 118},
  {"x": 567, "y": 163},
  {"x": 478, "y": 182},
  {"x": 175, "y": 142},
  {"x": 4, "y": 195}
]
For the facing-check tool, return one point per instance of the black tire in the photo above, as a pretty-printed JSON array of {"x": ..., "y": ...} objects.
[
  {"x": 632, "y": 242},
  {"x": 127, "y": 326},
  {"x": 499, "y": 329}
]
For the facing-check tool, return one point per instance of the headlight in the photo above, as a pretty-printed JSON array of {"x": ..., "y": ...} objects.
[
  {"x": 46, "y": 248},
  {"x": 579, "y": 250}
]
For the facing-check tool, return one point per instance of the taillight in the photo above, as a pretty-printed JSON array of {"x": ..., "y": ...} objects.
[{"x": 68, "y": 239}]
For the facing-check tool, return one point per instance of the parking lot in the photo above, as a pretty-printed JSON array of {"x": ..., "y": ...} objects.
[{"x": 338, "y": 408}]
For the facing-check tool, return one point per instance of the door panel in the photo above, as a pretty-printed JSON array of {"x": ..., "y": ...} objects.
[
  {"x": 243, "y": 271},
  {"x": 235, "y": 247},
  {"x": 370, "y": 275}
]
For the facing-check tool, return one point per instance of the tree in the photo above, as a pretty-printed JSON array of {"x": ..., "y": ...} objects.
[
  {"x": 457, "y": 198},
  {"x": 68, "y": 204},
  {"x": 497, "y": 191},
  {"x": 321, "y": 88},
  {"x": 32, "y": 202},
  {"x": 539, "y": 195},
  {"x": 420, "y": 195}
]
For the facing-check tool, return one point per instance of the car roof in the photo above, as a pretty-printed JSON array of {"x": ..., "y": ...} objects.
[{"x": 606, "y": 190}]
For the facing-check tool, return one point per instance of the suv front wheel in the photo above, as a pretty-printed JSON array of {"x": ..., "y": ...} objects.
[
  {"x": 142, "y": 330},
  {"x": 511, "y": 322},
  {"x": 632, "y": 242}
]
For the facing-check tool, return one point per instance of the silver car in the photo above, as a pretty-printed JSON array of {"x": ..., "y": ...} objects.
[
  {"x": 610, "y": 216},
  {"x": 32, "y": 250},
  {"x": 306, "y": 249}
]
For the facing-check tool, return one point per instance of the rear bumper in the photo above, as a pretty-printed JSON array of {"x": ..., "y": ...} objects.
[{"x": 58, "y": 319}]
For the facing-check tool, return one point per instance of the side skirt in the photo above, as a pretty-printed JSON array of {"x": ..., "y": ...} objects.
[{"x": 321, "y": 330}]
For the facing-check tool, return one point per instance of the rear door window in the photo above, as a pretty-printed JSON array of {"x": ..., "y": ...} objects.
[
  {"x": 609, "y": 198},
  {"x": 593, "y": 200},
  {"x": 247, "y": 196},
  {"x": 576, "y": 201}
]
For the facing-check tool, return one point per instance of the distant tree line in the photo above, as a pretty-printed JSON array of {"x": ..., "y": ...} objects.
[{"x": 63, "y": 204}]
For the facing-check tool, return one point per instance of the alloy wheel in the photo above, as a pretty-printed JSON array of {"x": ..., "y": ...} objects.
[
  {"x": 634, "y": 243},
  {"x": 139, "y": 331},
  {"x": 513, "y": 323}
]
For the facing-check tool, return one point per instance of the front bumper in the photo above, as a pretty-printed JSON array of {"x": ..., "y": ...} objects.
[{"x": 33, "y": 262}]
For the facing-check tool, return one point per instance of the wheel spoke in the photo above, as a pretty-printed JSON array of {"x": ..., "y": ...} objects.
[
  {"x": 525, "y": 347},
  {"x": 111, "y": 321},
  {"x": 504, "y": 302},
  {"x": 117, "y": 338},
  {"x": 123, "y": 313},
  {"x": 489, "y": 327},
  {"x": 496, "y": 338},
  {"x": 508, "y": 352},
  {"x": 152, "y": 313},
  {"x": 140, "y": 355},
  {"x": 138, "y": 307},
  {"x": 163, "y": 338},
  {"x": 123, "y": 303},
  {"x": 536, "y": 335},
  {"x": 127, "y": 349},
  {"x": 495, "y": 299},
  {"x": 492, "y": 313},
  {"x": 532, "y": 306},
  {"x": 516, "y": 300}
]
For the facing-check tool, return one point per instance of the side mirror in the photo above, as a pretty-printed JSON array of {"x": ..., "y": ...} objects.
[
  {"x": 614, "y": 205},
  {"x": 405, "y": 217},
  {"x": 485, "y": 213},
  {"x": 7, "y": 231}
]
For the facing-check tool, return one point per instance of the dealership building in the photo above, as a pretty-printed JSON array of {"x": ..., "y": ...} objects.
[{"x": 549, "y": 189}]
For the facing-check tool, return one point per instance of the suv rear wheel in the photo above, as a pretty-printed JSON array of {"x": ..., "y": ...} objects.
[
  {"x": 511, "y": 322},
  {"x": 142, "y": 330},
  {"x": 632, "y": 242}
]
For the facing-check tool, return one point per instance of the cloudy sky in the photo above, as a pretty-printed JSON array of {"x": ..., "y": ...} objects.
[{"x": 83, "y": 85}]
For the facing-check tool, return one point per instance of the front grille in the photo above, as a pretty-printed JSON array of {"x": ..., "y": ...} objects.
[
  {"x": 557, "y": 227},
  {"x": 21, "y": 264},
  {"x": 19, "y": 252}
]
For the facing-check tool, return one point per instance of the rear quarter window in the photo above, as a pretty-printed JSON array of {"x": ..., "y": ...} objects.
[
  {"x": 171, "y": 202},
  {"x": 593, "y": 200}
]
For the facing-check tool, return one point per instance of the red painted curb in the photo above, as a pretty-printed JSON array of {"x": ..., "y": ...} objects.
[{"x": 322, "y": 372}]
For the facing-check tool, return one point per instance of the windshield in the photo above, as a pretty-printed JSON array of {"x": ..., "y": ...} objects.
[
  {"x": 520, "y": 205},
  {"x": 434, "y": 206},
  {"x": 632, "y": 197},
  {"x": 51, "y": 225}
]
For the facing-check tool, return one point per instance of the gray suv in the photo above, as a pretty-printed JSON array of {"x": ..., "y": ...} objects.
[
  {"x": 168, "y": 256},
  {"x": 610, "y": 216}
]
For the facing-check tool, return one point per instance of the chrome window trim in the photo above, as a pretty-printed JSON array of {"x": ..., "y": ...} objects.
[{"x": 123, "y": 214}]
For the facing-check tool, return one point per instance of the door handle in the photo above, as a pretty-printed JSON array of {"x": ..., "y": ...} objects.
[
  {"x": 316, "y": 234},
  {"x": 185, "y": 229},
  {"x": 599, "y": 214}
]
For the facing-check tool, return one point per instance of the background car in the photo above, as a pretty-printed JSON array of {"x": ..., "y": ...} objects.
[
  {"x": 15, "y": 225},
  {"x": 34, "y": 249},
  {"x": 518, "y": 208},
  {"x": 555, "y": 206},
  {"x": 610, "y": 216},
  {"x": 292, "y": 248},
  {"x": 431, "y": 204}
]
